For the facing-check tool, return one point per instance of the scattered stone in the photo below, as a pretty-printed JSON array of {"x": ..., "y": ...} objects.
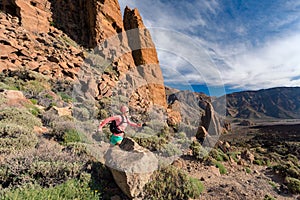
[{"x": 247, "y": 156}]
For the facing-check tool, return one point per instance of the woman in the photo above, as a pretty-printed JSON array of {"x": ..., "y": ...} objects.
[{"x": 121, "y": 123}]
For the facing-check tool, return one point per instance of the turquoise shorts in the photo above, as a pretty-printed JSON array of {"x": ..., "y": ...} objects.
[{"x": 115, "y": 139}]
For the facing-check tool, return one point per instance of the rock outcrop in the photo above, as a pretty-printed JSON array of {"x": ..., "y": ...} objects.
[
  {"x": 52, "y": 54},
  {"x": 131, "y": 166},
  {"x": 88, "y": 22},
  {"x": 144, "y": 54},
  {"x": 210, "y": 121},
  {"x": 34, "y": 16},
  {"x": 39, "y": 35}
]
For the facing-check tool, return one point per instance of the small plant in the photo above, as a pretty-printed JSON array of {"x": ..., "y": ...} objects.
[
  {"x": 65, "y": 97},
  {"x": 52, "y": 23},
  {"x": 268, "y": 197},
  {"x": 234, "y": 155},
  {"x": 273, "y": 184},
  {"x": 248, "y": 170},
  {"x": 152, "y": 143},
  {"x": 293, "y": 185},
  {"x": 199, "y": 152},
  {"x": 34, "y": 101},
  {"x": 171, "y": 150},
  {"x": 258, "y": 162},
  {"x": 71, "y": 136},
  {"x": 33, "y": 109},
  {"x": 19, "y": 116},
  {"x": 218, "y": 155},
  {"x": 171, "y": 183},
  {"x": 48, "y": 164},
  {"x": 221, "y": 167},
  {"x": 14, "y": 137},
  {"x": 72, "y": 189}
]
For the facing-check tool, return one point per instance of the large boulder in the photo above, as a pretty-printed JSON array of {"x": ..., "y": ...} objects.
[
  {"x": 210, "y": 121},
  {"x": 131, "y": 166}
]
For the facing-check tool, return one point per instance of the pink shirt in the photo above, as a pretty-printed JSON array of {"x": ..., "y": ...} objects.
[{"x": 118, "y": 119}]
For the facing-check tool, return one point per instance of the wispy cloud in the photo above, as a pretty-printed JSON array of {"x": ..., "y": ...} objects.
[{"x": 248, "y": 45}]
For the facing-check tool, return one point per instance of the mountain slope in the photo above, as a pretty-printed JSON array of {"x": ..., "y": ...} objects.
[{"x": 281, "y": 102}]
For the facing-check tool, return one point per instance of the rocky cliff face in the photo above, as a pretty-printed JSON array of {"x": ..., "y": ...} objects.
[{"x": 37, "y": 35}]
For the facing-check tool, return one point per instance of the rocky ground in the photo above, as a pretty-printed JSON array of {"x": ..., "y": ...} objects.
[{"x": 246, "y": 181}]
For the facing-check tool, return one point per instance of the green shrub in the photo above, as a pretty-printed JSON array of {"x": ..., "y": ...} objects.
[
  {"x": 293, "y": 185},
  {"x": 272, "y": 184},
  {"x": 172, "y": 183},
  {"x": 33, "y": 109},
  {"x": 234, "y": 155},
  {"x": 47, "y": 165},
  {"x": 72, "y": 189},
  {"x": 287, "y": 169},
  {"x": 14, "y": 137},
  {"x": 103, "y": 114},
  {"x": 16, "y": 129},
  {"x": 19, "y": 116},
  {"x": 148, "y": 131},
  {"x": 34, "y": 101},
  {"x": 258, "y": 162},
  {"x": 7, "y": 87},
  {"x": 170, "y": 150},
  {"x": 218, "y": 155},
  {"x": 65, "y": 97},
  {"x": 152, "y": 143},
  {"x": 198, "y": 151},
  {"x": 60, "y": 125},
  {"x": 71, "y": 136},
  {"x": 221, "y": 167},
  {"x": 181, "y": 135},
  {"x": 33, "y": 87},
  {"x": 268, "y": 197},
  {"x": 248, "y": 170}
]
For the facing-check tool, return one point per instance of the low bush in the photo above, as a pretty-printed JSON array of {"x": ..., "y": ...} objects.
[
  {"x": 30, "y": 82},
  {"x": 65, "y": 97},
  {"x": 198, "y": 151},
  {"x": 16, "y": 130},
  {"x": 293, "y": 185},
  {"x": 152, "y": 143},
  {"x": 222, "y": 168},
  {"x": 268, "y": 197},
  {"x": 71, "y": 135},
  {"x": 19, "y": 116},
  {"x": 14, "y": 137},
  {"x": 218, "y": 155},
  {"x": 170, "y": 149},
  {"x": 235, "y": 155},
  {"x": 172, "y": 183},
  {"x": 47, "y": 165},
  {"x": 72, "y": 189}
]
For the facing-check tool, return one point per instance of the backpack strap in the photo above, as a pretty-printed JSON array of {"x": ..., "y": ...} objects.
[{"x": 123, "y": 121}]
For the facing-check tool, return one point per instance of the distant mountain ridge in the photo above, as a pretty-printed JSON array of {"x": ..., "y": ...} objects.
[{"x": 279, "y": 102}]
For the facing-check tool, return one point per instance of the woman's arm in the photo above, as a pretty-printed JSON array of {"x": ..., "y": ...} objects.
[
  {"x": 107, "y": 120},
  {"x": 133, "y": 124}
]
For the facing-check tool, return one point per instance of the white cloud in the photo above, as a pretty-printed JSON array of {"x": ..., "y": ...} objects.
[
  {"x": 275, "y": 64},
  {"x": 262, "y": 62}
]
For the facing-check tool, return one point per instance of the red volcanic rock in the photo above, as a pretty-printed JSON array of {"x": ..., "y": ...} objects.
[{"x": 34, "y": 15}]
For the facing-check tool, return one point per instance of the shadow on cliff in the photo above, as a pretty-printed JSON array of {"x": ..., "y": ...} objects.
[{"x": 77, "y": 19}]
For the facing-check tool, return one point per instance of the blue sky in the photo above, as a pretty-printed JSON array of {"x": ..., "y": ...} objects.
[{"x": 230, "y": 44}]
